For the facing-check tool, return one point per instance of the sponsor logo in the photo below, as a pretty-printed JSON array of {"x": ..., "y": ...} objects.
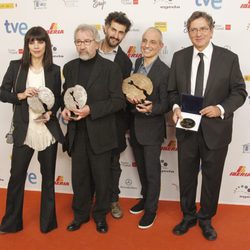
[
  {"x": 130, "y": 2},
  {"x": 167, "y": 4},
  {"x": 55, "y": 52},
  {"x": 71, "y": 3},
  {"x": 99, "y": 3},
  {"x": 243, "y": 191},
  {"x": 185, "y": 30},
  {"x": 15, "y": 51},
  {"x": 8, "y": 5},
  {"x": 40, "y": 4},
  {"x": 175, "y": 186},
  {"x": 132, "y": 52},
  {"x": 128, "y": 164},
  {"x": 128, "y": 184},
  {"x": 246, "y": 147},
  {"x": 165, "y": 168},
  {"x": 245, "y": 5},
  {"x": 1, "y": 179},
  {"x": 171, "y": 146},
  {"x": 54, "y": 29},
  {"x": 215, "y": 4},
  {"x": 222, "y": 27},
  {"x": 60, "y": 181},
  {"x": 247, "y": 78},
  {"x": 241, "y": 171},
  {"x": 20, "y": 28},
  {"x": 32, "y": 178},
  {"x": 162, "y": 26},
  {"x": 164, "y": 50},
  {"x": 61, "y": 120}
]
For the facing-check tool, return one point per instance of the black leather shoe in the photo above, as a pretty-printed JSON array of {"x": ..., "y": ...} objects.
[
  {"x": 75, "y": 225},
  {"x": 102, "y": 226},
  {"x": 184, "y": 226},
  {"x": 207, "y": 230}
]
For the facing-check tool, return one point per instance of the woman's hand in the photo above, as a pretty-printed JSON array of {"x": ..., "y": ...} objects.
[{"x": 29, "y": 92}]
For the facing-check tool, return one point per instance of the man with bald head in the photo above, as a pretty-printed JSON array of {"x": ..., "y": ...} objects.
[{"x": 145, "y": 117}]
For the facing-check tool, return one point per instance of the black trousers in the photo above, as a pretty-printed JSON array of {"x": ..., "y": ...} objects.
[
  {"x": 21, "y": 157},
  {"x": 115, "y": 176},
  {"x": 88, "y": 167},
  {"x": 147, "y": 159},
  {"x": 193, "y": 155}
]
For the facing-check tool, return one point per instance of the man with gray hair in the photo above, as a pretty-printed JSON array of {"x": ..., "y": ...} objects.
[
  {"x": 148, "y": 115},
  {"x": 91, "y": 135}
]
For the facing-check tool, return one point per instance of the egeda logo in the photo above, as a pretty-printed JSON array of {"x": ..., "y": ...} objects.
[
  {"x": 20, "y": 28},
  {"x": 215, "y": 4}
]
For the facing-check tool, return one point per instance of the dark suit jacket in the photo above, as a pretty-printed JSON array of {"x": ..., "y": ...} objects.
[
  {"x": 151, "y": 129},
  {"x": 122, "y": 116},
  {"x": 104, "y": 97},
  {"x": 21, "y": 113},
  {"x": 225, "y": 86}
]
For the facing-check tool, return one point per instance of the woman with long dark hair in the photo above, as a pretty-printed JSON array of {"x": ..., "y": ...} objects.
[{"x": 32, "y": 131}]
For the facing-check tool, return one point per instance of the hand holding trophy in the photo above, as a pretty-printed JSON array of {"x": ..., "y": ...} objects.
[{"x": 75, "y": 98}]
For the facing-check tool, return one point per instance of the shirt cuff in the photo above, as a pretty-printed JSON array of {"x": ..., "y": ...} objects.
[
  {"x": 175, "y": 106},
  {"x": 222, "y": 111}
]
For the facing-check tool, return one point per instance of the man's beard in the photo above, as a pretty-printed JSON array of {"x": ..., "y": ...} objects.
[
  {"x": 85, "y": 57},
  {"x": 110, "y": 44}
]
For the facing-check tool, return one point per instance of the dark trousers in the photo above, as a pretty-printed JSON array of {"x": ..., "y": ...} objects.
[
  {"x": 147, "y": 159},
  {"x": 85, "y": 166},
  {"x": 115, "y": 176},
  {"x": 21, "y": 157},
  {"x": 193, "y": 154}
]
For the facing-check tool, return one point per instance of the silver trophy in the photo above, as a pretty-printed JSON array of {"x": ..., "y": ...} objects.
[
  {"x": 75, "y": 98},
  {"x": 43, "y": 102}
]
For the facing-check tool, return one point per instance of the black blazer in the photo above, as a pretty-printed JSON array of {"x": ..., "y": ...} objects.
[
  {"x": 104, "y": 97},
  {"x": 225, "y": 86},
  {"x": 122, "y": 116},
  {"x": 151, "y": 129},
  {"x": 21, "y": 113}
]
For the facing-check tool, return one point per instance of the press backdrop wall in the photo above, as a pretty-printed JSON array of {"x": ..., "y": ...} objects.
[{"x": 60, "y": 18}]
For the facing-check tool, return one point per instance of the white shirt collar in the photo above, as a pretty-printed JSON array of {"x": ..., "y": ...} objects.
[{"x": 207, "y": 51}]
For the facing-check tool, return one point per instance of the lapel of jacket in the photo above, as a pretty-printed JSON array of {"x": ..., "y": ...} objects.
[
  {"x": 137, "y": 64},
  {"x": 215, "y": 62},
  {"x": 97, "y": 69},
  {"x": 48, "y": 76},
  {"x": 188, "y": 58},
  {"x": 74, "y": 73},
  {"x": 154, "y": 71}
]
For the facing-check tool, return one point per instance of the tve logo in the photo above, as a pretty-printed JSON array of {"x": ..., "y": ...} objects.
[
  {"x": 32, "y": 178},
  {"x": 21, "y": 28},
  {"x": 216, "y": 4}
]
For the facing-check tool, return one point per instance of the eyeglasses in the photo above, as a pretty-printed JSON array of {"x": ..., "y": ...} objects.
[
  {"x": 86, "y": 42},
  {"x": 202, "y": 30}
]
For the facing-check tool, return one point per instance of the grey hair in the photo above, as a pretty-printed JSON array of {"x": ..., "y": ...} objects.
[{"x": 90, "y": 28}]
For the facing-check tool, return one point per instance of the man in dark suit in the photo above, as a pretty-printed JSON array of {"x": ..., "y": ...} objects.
[
  {"x": 92, "y": 135},
  {"x": 116, "y": 27},
  {"x": 147, "y": 129},
  {"x": 223, "y": 91}
]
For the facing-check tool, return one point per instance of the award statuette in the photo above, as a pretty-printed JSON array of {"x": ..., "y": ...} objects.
[
  {"x": 137, "y": 86},
  {"x": 43, "y": 102},
  {"x": 75, "y": 98}
]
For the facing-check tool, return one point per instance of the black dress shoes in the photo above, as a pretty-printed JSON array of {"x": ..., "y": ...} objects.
[
  {"x": 101, "y": 226},
  {"x": 183, "y": 227},
  {"x": 207, "y": 230},
  {"x": 75, "y": 225}
]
